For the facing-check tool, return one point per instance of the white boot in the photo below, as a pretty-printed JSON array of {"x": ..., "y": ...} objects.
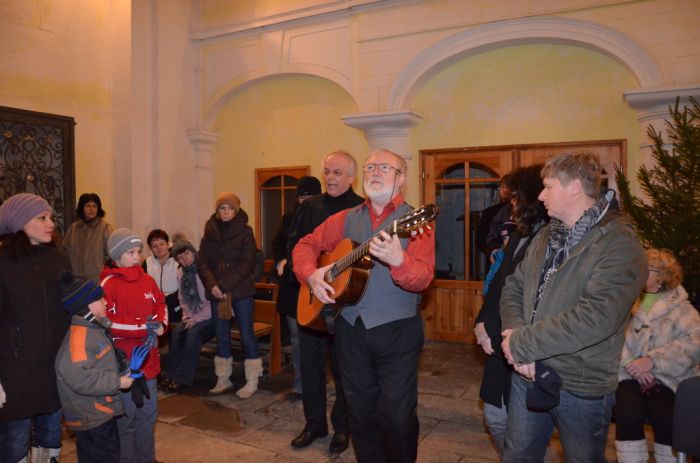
[
  {"x": 632, "y": 451},
  {"x": 663, "y": 453},
  {"x": 223, "y": 367},
  {"x": 253, "y": 371},
  {"x": 44, "y": 455}
]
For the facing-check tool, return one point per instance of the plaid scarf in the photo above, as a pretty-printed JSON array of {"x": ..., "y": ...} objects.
[
  {"x": 562, "y": 240},
  {"x": 188, "y": 289}
]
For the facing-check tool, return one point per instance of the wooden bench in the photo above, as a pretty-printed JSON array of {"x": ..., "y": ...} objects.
[{"x": 266, "y": 322}]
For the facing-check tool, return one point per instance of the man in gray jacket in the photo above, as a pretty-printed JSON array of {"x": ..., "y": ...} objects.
[{"x": 565, "y": 308}]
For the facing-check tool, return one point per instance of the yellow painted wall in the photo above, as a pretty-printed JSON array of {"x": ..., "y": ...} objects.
[
  {"x": 527, "y": 94},
  {"x": 281, "y": 121},
  {"x": 56, "y": 58}
]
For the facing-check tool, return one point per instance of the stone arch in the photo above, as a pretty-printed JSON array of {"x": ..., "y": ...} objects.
[{"x": 522, "y": 31}]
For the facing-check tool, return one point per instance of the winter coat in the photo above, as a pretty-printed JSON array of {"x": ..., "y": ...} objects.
[
  {"x": 32, "y": 326},
  {"x": 88, "y": 376},
  {"x": 288, "y": 291},
  {"x": 86, "y": 246},
  {"x": 495, "y": 383},
  {"x": 579, "y": 326},
  {"x": 669, "y": 333},
  {"x": 226, "y": 256},
  {"x": 132, "y": 298}
]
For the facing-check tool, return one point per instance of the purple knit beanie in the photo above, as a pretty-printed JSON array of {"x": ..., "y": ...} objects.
[{"x": 19, "y": 209}]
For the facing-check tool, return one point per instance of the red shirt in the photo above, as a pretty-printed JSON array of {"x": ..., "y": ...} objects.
[{"x": 414, "y": 274}]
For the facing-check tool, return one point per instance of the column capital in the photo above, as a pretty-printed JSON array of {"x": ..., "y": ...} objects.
[{"x": 388, "y": 129}]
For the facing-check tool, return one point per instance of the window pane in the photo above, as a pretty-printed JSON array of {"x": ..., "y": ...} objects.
[
  {"x": 449, "y": 232},
  {"x": 271, "y": 214},
  {"x": 453, "y": 172},
  {"x": 274, "y": 181},
  {"x": 478, "y": 170},
  {"x": 290, "y": 181},
  {"x": 290, "y": 198}
]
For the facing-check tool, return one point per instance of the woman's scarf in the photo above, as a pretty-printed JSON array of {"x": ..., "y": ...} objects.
[{"x": 188, "y": 289}]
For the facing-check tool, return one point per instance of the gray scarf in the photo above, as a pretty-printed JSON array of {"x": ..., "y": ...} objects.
[{"x": 188, "y": 288}]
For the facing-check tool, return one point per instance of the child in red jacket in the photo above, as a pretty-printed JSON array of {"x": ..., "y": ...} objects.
[{"x": 138, "y": 313}]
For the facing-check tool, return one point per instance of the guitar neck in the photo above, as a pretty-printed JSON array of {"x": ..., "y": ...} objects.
[{"x": 360, "y": 251}]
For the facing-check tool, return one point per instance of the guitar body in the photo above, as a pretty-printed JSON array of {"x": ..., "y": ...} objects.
[{"x": 349, "y": 287}]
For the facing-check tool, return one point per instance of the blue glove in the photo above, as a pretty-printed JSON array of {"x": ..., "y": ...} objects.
[
  {"x": 497, "y": 259},
  {"x": 138, "y": 355}
]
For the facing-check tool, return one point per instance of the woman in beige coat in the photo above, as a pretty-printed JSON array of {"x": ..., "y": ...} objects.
[{"x": 86, "y": 239}]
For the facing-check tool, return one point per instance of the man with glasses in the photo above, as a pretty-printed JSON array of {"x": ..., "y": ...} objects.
[
  {"x": 379, "y": 339},
  {"x": 339, "y": 169}
]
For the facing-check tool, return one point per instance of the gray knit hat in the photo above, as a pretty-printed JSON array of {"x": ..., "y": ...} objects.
[
  {"x": 121, "y": 240},
  {"x": 180, "y": 245},
  {"x": 19, "y": 209}
]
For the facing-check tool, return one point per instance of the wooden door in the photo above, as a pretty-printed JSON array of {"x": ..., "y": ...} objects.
[{"x": 463, "y": 182}]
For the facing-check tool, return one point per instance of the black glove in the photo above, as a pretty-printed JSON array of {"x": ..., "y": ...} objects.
[{"x": 139, "y": 389}]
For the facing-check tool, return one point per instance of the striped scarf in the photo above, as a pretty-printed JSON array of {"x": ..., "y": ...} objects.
[{"x": 562, "y": 240}]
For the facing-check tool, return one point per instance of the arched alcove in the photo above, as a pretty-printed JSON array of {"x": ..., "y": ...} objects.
[{"x": 522, "y": 31}]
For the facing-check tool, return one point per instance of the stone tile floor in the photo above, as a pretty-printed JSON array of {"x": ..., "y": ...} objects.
[{"x": 196, "y": 427}]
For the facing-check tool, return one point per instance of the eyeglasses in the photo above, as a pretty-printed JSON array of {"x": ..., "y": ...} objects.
[{"x": 383, "y": 168}]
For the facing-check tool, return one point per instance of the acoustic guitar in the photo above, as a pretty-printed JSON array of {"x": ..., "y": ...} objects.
[{"x": 350, "y": 272}]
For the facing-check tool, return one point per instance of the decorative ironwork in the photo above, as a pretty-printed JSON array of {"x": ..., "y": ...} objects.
[{"x": 36, "y": 156}]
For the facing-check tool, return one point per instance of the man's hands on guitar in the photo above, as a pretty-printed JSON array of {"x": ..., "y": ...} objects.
[
  {"x": 387, "y": 248},
  {"x": 318, "y": 286}
]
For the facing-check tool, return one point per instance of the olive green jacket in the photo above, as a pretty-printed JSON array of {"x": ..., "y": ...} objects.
[{"x": 579, "y": 326}]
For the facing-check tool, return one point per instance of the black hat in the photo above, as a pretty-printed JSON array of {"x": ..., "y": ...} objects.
[
  {"x": 77, "y": 292},
  {"x": 544, "y": 393},
  {"x": 308, "y": 186}
]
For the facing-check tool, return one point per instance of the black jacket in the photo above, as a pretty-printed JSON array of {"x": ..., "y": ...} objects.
[
  {"x": 227, "y": 256},
  {"x": 32, "y": 326},
  {"x": 495, "y": 383}
]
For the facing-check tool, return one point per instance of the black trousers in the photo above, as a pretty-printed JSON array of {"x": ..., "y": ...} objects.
[
  {"x": 379, "y": 368},
  {"x": 632, "y": 408},
  {"x": 100, "y": 444},
  {"x": 314, "y": 346}
]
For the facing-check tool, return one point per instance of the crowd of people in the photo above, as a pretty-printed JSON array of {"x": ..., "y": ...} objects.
[{"x": 578, "y": 321}]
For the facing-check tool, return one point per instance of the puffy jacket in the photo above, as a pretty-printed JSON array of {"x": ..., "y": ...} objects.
[
  {"x": 669, "y": 333},
  {"x": 32, "y": 326},
  {"x": 226, "y": 256},
  {"x": 88, "y": 376},
  {"x": 579, "y": 325},
  {"x": 132, "y": 299}
]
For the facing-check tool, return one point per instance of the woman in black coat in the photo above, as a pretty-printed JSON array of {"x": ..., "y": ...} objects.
[
  {"x": 32, "y": 326},
  {"x": 529, "y": 215},
  {"x": 226, "y": 266}
]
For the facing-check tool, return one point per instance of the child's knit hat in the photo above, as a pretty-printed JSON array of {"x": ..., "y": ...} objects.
[
  {"x": 77, "y": 292},
  {"x": 121, "y": 240}
]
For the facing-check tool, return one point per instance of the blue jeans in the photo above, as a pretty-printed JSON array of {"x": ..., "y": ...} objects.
[
  {"x": 137, "y": 427},
  {"x": 244, "y": 311},
  {"x": 296, "y": 353},
  {"x": 582, "y": 423},
  {"x": 183, "y": 351},
  {"x": 16, "y": 436},
  {"x": 496, "y": 420}
]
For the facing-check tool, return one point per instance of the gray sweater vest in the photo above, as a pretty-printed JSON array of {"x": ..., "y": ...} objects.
[{"x": 383, "y": 301}]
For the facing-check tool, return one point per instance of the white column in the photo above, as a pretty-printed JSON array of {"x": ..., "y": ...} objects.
[
  {"x": 202, "y": 145},
  {"x": 652, "y": 104}
]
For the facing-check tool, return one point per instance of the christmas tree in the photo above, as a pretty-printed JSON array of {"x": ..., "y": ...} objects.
[{"x": 669, "y": 214}]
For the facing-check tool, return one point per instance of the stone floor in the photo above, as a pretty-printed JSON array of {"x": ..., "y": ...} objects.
[{"x": 196, "y": 427}]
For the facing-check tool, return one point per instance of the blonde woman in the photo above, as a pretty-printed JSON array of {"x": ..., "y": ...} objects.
[{"x": 662, "y": 348}]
